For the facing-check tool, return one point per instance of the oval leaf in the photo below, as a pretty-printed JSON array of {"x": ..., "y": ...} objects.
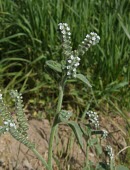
[
  {"x": 54, "y": 65},
  {"x": 98, "y": 149},
  {"x": 83, "y": 79},
  {"x": 92, "y": 142}
]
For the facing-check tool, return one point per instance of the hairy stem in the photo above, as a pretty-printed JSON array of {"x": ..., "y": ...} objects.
[
  {"x": 55, "y": 125},
  {"x": 40, "y": 158},
  {"x": 52, "y": 135}
]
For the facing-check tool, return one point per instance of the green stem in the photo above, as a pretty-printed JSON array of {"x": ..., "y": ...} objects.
[
  {"x": 60, "y": 98},
  {"x": 52, "y": 135},
  {"x": 40, "y": 158},
  {"x": 111, "y": 164},
  {"x": 87, "y": 160},
  {"x": 55, "y": 125}
]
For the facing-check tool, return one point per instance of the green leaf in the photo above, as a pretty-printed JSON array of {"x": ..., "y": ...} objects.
[
  {"x": 92, "y": 141},
  {"x": 86, "y": 130},
  {"x": 102, "y": 166},
  {"x": 121, "y": 167},
  {"x": 77, "y": 131},
  {"x": 83, "y": 79},
  {"x": 38, "y": 59},
  {"x": 54, "y": 65},
  {"x": 98, "y": 149}
]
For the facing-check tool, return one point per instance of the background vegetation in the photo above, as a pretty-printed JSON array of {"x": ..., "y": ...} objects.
[{"x": 29, "y": 37}]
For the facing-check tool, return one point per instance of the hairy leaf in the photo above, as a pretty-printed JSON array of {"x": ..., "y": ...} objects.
[
  {"x": 77, "y": 131},
  {"x": 54, "y": 65},
  {"x": 83, "y": 79}
]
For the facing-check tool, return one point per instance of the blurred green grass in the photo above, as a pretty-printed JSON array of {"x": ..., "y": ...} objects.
[{"x": 29, "y": 37}]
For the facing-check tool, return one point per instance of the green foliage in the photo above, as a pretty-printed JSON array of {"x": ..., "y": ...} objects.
[
  {"x": 102, "y": 166},
  {"x": 28, "y": 31},
  {"x": 121, "y": 167}
]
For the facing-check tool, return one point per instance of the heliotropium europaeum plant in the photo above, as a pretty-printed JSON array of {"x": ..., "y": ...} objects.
[{"x": 66, "y": 69}]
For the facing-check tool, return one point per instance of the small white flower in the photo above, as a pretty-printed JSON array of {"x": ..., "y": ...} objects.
[
  {"x": 12, "y": 124},
  {"x": 63, "y": 32},
  {"x": 69, "y": 33},
  {"x": 69, "y": 61},
  {"x": 87, "y": 36},
  {"x": 76, "y": 64},
  {"x": 72, "y": 57},
  {"x": 90, "y": 41},
  {"x": 68, "y": 73},
  {"x": 6, "y": 123},
  {"x": 93, "y": 38},
  {"x": 105, "y": 133},
  {"x": 61, "y": 27},
  {"x": 68, "y": 29},
  {"x": 98, "y": 37},
  {"x": 7, "y": 129},
  {"x": 65, "y": 24},
  {"x": 0, "y": 96},
  {"x": 110, "y": 152},
  {"x": 74, "y": 69},
  {"x": 78, "y": 58},
  {"x": 64, "y": 37},
  {"x": 68, "y": 67},
  {"x": 74, "y": 75}
]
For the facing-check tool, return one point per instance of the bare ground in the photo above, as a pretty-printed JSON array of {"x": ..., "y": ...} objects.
[{"x": 15, "y": 156}]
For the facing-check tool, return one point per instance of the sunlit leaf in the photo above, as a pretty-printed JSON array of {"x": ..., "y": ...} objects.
[
  {"x": 83, "y": 79},
  {"x": 77, "y": 131}
]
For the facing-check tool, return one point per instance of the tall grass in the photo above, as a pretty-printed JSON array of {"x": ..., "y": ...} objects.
[{"x": 28, "y": 36}]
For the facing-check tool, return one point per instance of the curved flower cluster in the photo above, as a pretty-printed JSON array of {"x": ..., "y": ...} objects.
[
  {"x": 19, "y": 131},
  {"x": 72, "y": 64},
  {"x": 66, "y": 38},
  {"x": 90, "y": 40},
  {"x": 93, "y": 118},
  {"x": 104, "y": 133},
  {"x": 109, "y": 151},
  {"x": 72, "y": 61},
  {"x": 8, "y": 124},
  {"x": 21, "y": 118},
  {"x": 4, "y": 112}
]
